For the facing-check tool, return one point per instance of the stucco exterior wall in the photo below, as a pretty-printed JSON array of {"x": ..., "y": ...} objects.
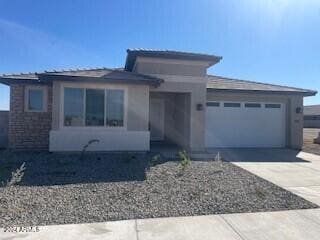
[
  {"x": 149, "y": 65},
  {"x": 294, "y": 121},
  {"x": 176, "y": 117},
  {"x": 28, "y": 130},
  {"x": 174, "y": 69},
  {"x": 182, "y": 76},
  {"x": 196, "y": 88},
  {"x": 138, "y": 108}
]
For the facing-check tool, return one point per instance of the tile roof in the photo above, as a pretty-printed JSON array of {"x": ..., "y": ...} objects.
[
  {"x": 118, "y": 75},
  {"x": 311, "y": 110},
  {"x": 94, "y": 74},
  {"x": 133, "y": 53},
  {"x": 218, "y": 83}
]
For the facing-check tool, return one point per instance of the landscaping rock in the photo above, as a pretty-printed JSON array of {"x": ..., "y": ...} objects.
[{"x": 61, "y": 189}]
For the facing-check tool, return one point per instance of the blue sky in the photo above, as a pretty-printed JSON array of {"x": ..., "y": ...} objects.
[{"x": 275, "y": 41}]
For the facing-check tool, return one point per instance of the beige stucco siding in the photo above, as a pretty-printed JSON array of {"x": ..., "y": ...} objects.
[
  {"x": 56, "y": 105},
  {"x": 147, "y": 65},
  {"x": 176, "y": 69},
  {"x": 294, "y": 121},
  {"x": 138, "y": 107},
  {"x": 176, "y": 117},
  {"x": 197, "y": 93}
]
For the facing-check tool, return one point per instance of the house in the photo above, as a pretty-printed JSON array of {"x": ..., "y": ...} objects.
[
  {"x": 312, "y": 116},
  {"x": 159, "y": 95}
]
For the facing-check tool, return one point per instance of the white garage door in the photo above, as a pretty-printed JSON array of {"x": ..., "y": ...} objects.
[{"x": 245, "y": 125}]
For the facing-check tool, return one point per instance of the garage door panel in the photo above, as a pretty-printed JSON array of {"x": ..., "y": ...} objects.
[{"x": 245, "y": 127}]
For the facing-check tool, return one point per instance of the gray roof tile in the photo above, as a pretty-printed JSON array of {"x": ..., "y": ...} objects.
[
  {"x": 133, "y": 53},
  {"x": 232, "y": 84},
  {"x": 94, "y": 74},
  {"x": 215, "y": 83}
]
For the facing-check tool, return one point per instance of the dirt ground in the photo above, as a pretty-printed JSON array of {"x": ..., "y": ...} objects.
[{"x": 308, "y": 135}]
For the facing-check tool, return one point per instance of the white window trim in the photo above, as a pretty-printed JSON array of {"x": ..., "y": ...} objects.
[
  {"x": 44, "y": 90},
  {"x": 93, "y": 86}
]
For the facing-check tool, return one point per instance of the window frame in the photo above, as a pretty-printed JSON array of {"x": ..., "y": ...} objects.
[
  {"x": 215, "y": 104},
  {"x": 233, "y": 104},
  {"x": 44, "y": 90},
  {"x": 94, "y": 86},
  {"x": 253, "y": 105},
  {"x": 272, "y": 105}
]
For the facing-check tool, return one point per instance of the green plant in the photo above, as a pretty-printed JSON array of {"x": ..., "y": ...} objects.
[
  {"x": 218, "y": 157},
  {"x": 184, "y": 160},
  {"x": 260, "y": 193},
  {"x": 127, "y": 157},
  {"x": 16, "y": 176},
  {"x": 155, "y": 158}
]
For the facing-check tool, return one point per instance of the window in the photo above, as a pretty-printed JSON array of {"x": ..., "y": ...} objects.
[
  {"x": 93, "y": 107},
  {"x": 232, "y": 104},
  {"x": 73, "y": 107},
  {"x": 115, "y": 103},
  {"x": 213, "y": 104},
  {"x": 273, "y": 105},
  {"x": 35, "y": 99},
  {"x": 252, "y": 105}
]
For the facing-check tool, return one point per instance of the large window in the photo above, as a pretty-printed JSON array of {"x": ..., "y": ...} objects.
[
  {"x": 115, "y": 103},
  {"x": 73, "y": 107},
  {"x": 93, "y": 107}
]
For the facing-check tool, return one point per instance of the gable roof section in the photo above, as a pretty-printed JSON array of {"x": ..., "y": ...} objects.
[
  {"x": 311, "y": 110},
  {"x": 84, "y": 75},
  {"x": 133, "y": 53},
  {"x": 218, "y": 83}
]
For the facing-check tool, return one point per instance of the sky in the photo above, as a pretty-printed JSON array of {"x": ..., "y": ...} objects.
[{"x": 274, "y": 41}]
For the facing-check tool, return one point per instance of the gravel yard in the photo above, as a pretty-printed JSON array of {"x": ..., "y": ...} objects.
[{"x": 60, "y": 189}]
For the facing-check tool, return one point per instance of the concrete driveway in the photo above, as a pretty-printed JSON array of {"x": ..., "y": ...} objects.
[{"x": 298, "y": 172}]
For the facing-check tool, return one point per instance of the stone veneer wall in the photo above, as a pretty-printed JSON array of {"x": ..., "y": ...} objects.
[
  {"x": 28, "y": 130},
  {"x": 4, "y": 125}
]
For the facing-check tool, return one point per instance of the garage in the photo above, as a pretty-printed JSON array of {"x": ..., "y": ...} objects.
[{"x": 235, "y": 124}]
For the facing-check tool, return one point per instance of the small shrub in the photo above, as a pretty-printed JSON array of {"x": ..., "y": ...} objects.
[
  {"x": 127, "y": 157},
  {"x": 153, "y": 160},
  {"x": 260, "y": 193},
  {"x": 218, "y": 157},
  {"x": 16, "y": 176},
  {"x": 156, "y": 158},
  {"x": 184, "y": 160}
]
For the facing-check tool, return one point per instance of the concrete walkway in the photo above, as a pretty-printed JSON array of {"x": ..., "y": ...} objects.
[
  {"x": 300, "y": 224},
  {"x": 297, "y": 172}
]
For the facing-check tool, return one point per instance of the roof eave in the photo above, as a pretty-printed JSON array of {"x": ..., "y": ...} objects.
[
  {"x": 133, "y": 54},
  {"x": 8, "y": 81},
  {"x": 56, "y": 77},
  {"x": 305, "y": 94}
]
